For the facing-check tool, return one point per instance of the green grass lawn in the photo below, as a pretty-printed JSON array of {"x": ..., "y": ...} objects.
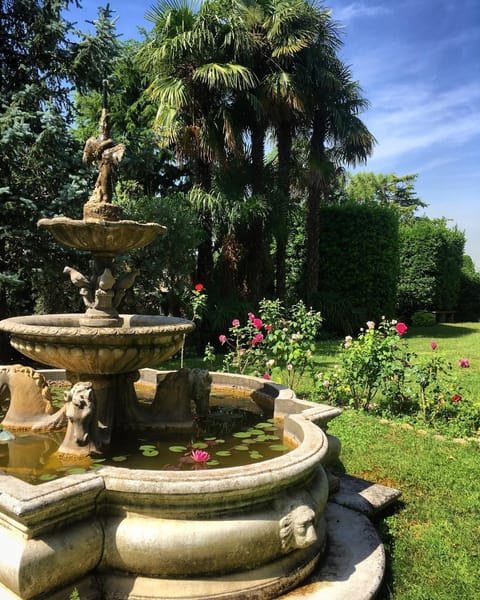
[{"x": 431, "y": 535}]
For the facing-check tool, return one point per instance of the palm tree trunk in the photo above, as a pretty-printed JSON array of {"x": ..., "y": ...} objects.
[
  {"x": 255, "y": 258},
  {"x": 314, "y": 198},
  {"x": 204, "y": 272},
  {"x": 284, "y": 145}
]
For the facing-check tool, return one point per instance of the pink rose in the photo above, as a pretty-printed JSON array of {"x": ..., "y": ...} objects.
[
  {"x": 401, "y": 328},
  {"x": 235, "y": 323},
  {"x": 433, "y": 345},
  {"x": 266, "y": 376},
  {"x": 464, "y": 363},
  {"x": 257, "y": 323},
  {"x": 258, "y": 338},
  {"x": 222, "y": 339}
]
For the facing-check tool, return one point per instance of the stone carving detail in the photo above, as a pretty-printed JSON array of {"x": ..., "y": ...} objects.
[
  {"x": 30, "y": 405},
  {"x": 181, "y": 391},
  {"x": 107, "y": 155},
  {"x": 103, "y": 292},
  {"x": 81, "y": 436},
  {"x": 297, "y": 527}
]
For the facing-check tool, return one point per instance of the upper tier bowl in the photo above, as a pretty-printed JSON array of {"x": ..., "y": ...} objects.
[{"x": 102, "y": 237}]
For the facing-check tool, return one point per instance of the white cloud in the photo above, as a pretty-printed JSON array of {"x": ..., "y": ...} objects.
[{"x": 359, "y": 9}]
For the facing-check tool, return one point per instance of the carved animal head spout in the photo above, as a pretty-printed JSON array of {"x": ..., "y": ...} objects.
[
  {"x": 297, "y": 527},
  {"x": 80, "y": 411}
]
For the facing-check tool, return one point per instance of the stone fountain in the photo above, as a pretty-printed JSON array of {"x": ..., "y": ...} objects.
[{"x": 256, "y": 531}]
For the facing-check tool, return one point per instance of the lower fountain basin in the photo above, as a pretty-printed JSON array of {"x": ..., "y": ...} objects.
[
  {"x": 59, "y": 340},
  {"x": 251, "y": 531}
]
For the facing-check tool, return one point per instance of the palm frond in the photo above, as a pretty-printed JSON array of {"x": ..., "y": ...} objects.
[{"x": 227, "y": 75}]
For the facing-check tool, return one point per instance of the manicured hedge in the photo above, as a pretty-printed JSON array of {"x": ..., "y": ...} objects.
[
  {"x": 359, "y": 265},
  {"x": 431, "y": 262}
]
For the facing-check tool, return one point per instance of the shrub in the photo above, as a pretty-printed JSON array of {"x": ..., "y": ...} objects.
[
  {"x": 278, "y": 343},
  {"x": 430, "y": 265},
  {"x": 423, "y": 318},
  {"x": 377, "y": 371},
  {"x": 358, "y": 265}
]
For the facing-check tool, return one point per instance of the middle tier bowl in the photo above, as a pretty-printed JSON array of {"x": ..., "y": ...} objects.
[{"x": 60, "y": 341}]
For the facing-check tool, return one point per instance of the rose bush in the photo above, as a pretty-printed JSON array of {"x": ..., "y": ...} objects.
[
  {"x": 377, "y": 371},
  {"x": 277, "y": 343}
]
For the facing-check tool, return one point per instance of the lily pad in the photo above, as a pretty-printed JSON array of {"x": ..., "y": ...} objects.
[
  {"x": 223, "y": 453},
  {"x": 48, "y": 477},
  {"x": 241, "y": 434},
  {"x": 255, "y": 455},
  {"x": 150, "y": 452},
  {"x": 199, "y": 445},
  {"x": 279, "y": 447},
  {"x": 178, "y": 448},
  {"x": 147, "y": 447},
  {"x": 240, "y": 447},
  {"x": 119, "y": 458},
  {"x": 76, "y": 470},
  {"x": 213, "y": 463},
  {"x": 255, "y": 432}
]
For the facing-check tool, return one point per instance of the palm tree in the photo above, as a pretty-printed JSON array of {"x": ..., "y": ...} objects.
[
  {"x": 337, "y": 137},
  {"x": 191, "y": 85}
]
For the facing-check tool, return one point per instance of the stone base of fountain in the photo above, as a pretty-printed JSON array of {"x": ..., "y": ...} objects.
[{"x": 259, "y": 531}]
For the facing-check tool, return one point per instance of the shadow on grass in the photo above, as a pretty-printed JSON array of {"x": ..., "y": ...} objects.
[{"x": 444, "y": 330}]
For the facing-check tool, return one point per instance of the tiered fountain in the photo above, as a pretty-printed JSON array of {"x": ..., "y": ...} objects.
[{"x": 252, "y": 531}]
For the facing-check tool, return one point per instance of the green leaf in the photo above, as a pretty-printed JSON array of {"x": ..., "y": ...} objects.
[
  {"x": 150, "y": 452},
  {"x": 119, "y": 458},
  {"x": 241, "y": 448},
  {"x": 255, "y": 455},
  {"x": 178, "y": 448},
  {"x": 279, "y": 447},
  {"x": 200, "y": 445},
  {"x": 48, "y": 477},
  {"x": 223, "y": 453}
]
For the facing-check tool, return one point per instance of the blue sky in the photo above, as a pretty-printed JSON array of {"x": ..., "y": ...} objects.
[{"x": 418, "y": 63}]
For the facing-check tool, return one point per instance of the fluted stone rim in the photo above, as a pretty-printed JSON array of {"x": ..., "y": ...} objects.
[
  {"x": 62, "y": 328},
  {"x": 102, "y": 237}
]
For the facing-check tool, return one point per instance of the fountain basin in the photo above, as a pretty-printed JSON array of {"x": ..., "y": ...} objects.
[
  {"x": 102, "y": 237},
  {"x": 250, "y": 531},
  {"x": 59, "y": 340}
]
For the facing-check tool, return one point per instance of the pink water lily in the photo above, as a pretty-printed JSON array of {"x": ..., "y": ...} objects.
[{"x": 200, "y": 456}]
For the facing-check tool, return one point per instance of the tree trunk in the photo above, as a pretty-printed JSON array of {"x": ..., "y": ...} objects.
[
  {"x": 284, "y": 145},
  {"x": 204, "y": 272},
  {"x": 315, "y": 191},
  {"x": 255, "y": 243}
]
